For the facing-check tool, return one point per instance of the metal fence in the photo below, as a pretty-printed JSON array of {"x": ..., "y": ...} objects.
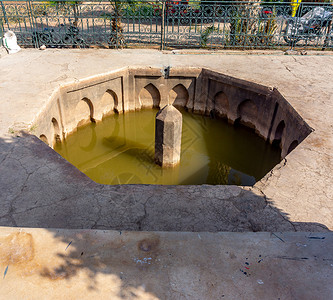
[{"x": 169, "y": 24}]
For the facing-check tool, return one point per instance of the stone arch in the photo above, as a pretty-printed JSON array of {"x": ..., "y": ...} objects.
[
  {"x": 150, "y": 96},
  {"x": 84, "y": 111},
  {"x": 44, "y": 139},
  {"x": 56, "y": 130},
  {"x": 292, "y": 146},
  {"x": 109, "y": 103},
  {"x": 221, "y": 104},
  {"x": 178, "y": 96},
  {"x": 279, "y": 133},
  {"x": 247, "y": 113}
]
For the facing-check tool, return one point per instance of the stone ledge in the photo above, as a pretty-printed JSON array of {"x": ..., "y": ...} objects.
[
  {"x": 300, "y": 187},
  {"x": 86, "y": 264}
]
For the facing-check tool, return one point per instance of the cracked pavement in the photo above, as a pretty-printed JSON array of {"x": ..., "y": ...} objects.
[{"x": 40, "y": 189}]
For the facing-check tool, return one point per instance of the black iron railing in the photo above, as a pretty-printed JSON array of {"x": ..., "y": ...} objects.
[{"x": 169, "y": 24}]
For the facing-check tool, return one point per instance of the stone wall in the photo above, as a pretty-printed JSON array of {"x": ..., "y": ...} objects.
[{"x": 202, "y": 91}]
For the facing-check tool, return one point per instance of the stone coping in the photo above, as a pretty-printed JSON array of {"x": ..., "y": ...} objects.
[
  {"x": 40, "y": 189},
  {"x": 102, "y": 264}
]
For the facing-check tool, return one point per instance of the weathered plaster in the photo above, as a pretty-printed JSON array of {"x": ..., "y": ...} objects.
[
  {"x": 40, "y": 189},
  {"x": 96, "y": 264}
]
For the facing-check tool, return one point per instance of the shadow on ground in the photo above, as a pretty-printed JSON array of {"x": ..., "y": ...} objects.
[{"x": 40, "y": 189}]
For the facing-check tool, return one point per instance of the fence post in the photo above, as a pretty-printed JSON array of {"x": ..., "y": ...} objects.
[
  {"x": 32, "y": 24},
  {"x": 162, "y": 25},
  {"x": 4, "y": 14},
  {"x": 298, "y": 14},
  {"x": 327, "y": 38},
  {"x": 1, "y": 32},
  {"x": 2, "y": 29}
]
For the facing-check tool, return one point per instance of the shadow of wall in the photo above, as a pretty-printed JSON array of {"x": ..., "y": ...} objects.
[{"x": 40, "y": 189}]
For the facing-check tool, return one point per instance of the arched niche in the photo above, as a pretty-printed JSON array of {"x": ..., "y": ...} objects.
[
  {"x": 279, "y": 133},
  {"x": 178, "y": 96},
  {"x": 221, "y": 104},
  {"x": 150, "y": 96},
  {"x": 109, "y": 103},
  {"x": 44, "y": 139},
  {"x": 56, "y": 131},
  {"x": 84, "y": 111},
  {"x": 247, "y": 113},
  {"x": 292, "y": 146}
]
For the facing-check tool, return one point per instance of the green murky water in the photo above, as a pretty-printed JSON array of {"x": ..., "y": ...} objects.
[{"x": 120, "y": 150}]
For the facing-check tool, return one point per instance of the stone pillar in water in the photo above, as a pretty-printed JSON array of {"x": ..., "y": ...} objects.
[{"x": 168, "y": 135}]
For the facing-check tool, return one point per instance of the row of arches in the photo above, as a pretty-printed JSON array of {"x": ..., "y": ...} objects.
[
  {"x": 279, "y": 135},
  {"x": 85, "y": 109},
  {"x": 150, "y": 96},
  {"x": 56, "y": 133},
  {"x": 85, "y": 112},
  {"x": 247, "y": 112}
]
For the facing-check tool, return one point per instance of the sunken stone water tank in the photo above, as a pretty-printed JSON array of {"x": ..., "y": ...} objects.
[{"x": 263, "y": 110}]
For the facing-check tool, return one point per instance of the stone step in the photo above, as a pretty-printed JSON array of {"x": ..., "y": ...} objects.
[{"x": 95, "y": 264}]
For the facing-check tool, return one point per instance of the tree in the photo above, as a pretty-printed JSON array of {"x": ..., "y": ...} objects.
[
  {"x": 73, "y": 4},
  {"x": 117, "y": 38},
  {"x": 244, "y": 22}
]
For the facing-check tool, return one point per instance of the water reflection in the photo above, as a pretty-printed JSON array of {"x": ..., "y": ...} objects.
[{"x": 120, "y": 150}]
